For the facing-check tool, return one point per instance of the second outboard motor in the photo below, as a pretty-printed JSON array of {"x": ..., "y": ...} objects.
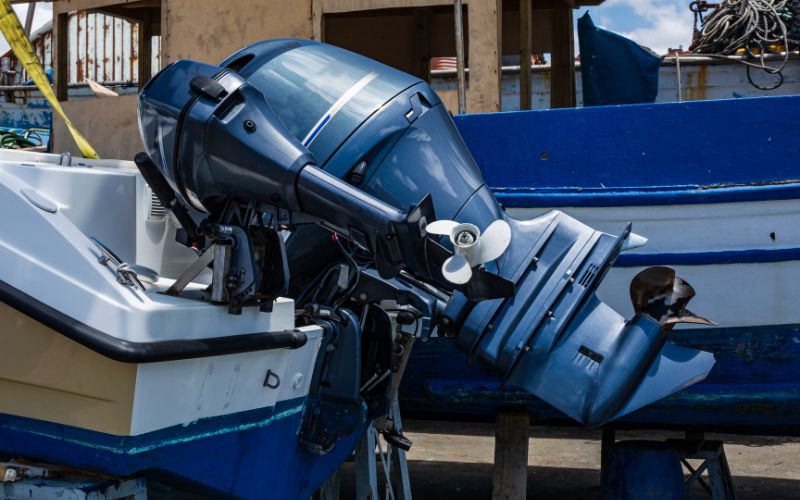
[{"x": 316, "y": 134}]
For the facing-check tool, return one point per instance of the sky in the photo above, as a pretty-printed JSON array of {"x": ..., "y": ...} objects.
[
  {"x": 43, "y": 13},
  {"x": 658, "y": 24}
]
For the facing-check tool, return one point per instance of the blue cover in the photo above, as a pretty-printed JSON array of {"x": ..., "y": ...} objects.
[{"x": 615, "y": 70}]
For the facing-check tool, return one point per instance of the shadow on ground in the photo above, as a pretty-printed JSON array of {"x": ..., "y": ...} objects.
[{"x": 446, "y": 480}]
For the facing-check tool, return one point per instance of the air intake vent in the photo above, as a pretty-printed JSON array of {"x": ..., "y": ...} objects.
[
  {"x": 154, "y": 210},
  {"x": 589, "y": 275}
]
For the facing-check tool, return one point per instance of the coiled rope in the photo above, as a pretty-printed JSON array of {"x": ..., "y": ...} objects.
[{"x": 755, "y": 26}]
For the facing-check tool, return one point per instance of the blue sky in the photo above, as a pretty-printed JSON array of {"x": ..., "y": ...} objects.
[{"x": 658, "y": 24}]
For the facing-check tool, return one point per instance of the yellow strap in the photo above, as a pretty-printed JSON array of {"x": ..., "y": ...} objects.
[{"x": 21, "y": 45}]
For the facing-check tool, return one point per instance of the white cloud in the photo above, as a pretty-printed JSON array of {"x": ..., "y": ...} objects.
[
  {"x": 43, "y": 14},
  {"x": 666, "y": 23}
]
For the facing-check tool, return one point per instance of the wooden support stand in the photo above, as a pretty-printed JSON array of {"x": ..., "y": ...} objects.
[{"x": 510, "y": 477}]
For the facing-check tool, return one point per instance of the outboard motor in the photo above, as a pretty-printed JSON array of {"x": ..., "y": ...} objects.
[{"x": 306, "y": 137}]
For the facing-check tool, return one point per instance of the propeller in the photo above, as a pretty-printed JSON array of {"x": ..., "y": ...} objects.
[
  {"x": 471, "y": 248},
  {"x": 658, "y": 293}
]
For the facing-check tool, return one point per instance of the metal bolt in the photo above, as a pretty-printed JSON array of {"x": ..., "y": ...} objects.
[
  {"x": 250, "y": 126},
  {"x": 297, "y": 381}
]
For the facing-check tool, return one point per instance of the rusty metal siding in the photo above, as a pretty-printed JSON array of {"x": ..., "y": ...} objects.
[{"x": 101, "y": 48}]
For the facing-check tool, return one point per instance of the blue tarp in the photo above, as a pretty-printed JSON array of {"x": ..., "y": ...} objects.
[{"x": 615, "y": 70}]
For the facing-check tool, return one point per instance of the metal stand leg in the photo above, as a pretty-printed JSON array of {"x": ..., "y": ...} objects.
[
  {"x": 399, "y": 473},
  {"x": 712, "y": 453},
  {"x": 392, "y": 461},
  {"x": 366, "y": 467}
]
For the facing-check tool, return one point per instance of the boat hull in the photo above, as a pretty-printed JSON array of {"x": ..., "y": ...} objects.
[
  {"x": 254, "y": 454},
  {"x": 723, "y": 210}
]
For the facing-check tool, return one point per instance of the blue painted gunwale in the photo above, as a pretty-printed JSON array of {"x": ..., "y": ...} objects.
[
  {"x": 253, "y": 454},
  {"x": 725, "y": 151}
]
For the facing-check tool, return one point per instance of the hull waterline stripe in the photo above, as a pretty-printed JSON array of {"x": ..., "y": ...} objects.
[
  {"x": 526, "y": 197},
  {"x": 145, "y": 352}
]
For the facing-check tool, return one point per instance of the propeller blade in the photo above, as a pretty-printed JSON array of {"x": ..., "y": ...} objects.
[
  {"x": 456, "y": 270},
  {"x": 649, "y": 284},
  {"x": 682, "y": 292},
  {"x": 493, "y": 242},
  {"x": 687, "y": 316},
  {"x": 441, "y": 227}
]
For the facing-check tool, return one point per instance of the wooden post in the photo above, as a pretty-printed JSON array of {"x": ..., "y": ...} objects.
[
  {"x": 61, "y": 55},
  {"x": 484, "y": 47},
  {"x": 461, "y": 79},
  {"x": 606, "y": 448},
  {"x": 422, "y": 52},
  {"x": 145, "y": 47},
  {"x": 510, "y": 477},
  {"x": 562, "y": 80},
  {"x": 525, "y": 29}
]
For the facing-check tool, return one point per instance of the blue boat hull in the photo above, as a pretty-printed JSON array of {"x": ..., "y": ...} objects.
[
  {"x": 715, "y": 185},
  {"x": 253, "y": 454},
  {"x": 753, "y": 388}
]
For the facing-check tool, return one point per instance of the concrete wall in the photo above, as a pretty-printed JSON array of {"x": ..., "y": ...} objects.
[
  {"x": 210, "y": 30},
  {"x": 109, "y": 124}
]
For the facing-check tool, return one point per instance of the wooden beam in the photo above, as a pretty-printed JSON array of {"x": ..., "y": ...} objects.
[
  {"x": 130, "y": 15},
  {"x": 61, "y": 55},
  {"x": 29, "y": 17},
  {"x": 510, "y": 476},
  {"x": 562, "y": 82},
  {"x": 60, "y": 6},
  {"x": 525, "y": 49},
  {"x": 145, "y": 48}
]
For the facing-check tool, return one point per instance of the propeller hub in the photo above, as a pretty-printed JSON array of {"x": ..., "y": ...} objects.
[{"x": 465, "y": 236}]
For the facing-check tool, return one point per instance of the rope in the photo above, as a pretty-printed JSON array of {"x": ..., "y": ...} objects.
[
  {"x": 755, "y": 26},
  {"x": 11, "y": 140}
]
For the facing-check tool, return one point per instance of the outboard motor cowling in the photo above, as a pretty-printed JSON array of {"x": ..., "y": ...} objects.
[{"x": 311, "y": 133}]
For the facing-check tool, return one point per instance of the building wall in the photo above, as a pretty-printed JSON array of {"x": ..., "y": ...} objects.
[{"x": 210, "y": 30}]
